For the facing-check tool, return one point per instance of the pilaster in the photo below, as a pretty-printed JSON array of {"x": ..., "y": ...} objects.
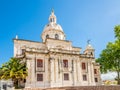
[
  {"x": 92, "y": 73},
  {"x": 52, "y": 76},
  {"x": 89, "y": 73}
]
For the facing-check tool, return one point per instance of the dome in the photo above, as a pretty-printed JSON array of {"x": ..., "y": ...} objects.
[
  {"x": 89, "y": 51},
  {"x": 52, "y": 29},
  {"x": 89, "y": 46}
]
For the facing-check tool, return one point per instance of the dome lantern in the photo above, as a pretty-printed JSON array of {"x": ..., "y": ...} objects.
[{"x": 52, "y": 18}]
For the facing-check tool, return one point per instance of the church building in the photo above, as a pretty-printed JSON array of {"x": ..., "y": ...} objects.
[{"x": 55, "y": 62}]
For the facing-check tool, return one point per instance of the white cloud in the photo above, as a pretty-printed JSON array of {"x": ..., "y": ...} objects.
[{"x": 109, "y": 76}]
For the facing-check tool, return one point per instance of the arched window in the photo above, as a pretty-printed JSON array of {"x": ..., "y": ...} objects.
[
  {"x": 56, "y": 36},
  {"x": 52, "y": 20},
  {"x": 47, "y": 36},
  {"x": 91, "y": 53}
]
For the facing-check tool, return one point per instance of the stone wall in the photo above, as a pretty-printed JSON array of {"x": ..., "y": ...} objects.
[{"x": 80, "y": 88}]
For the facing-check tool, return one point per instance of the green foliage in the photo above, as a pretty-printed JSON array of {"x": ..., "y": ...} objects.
[
  {"x": 110, "y": 57},
  {"x": 14, "y": 69},
  {"x": 117, "y": 32}
]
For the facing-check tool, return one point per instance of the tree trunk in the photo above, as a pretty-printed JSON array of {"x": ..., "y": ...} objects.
[
  {"x": 118, "y": 78},
  {"x": 16, "y": 84}
]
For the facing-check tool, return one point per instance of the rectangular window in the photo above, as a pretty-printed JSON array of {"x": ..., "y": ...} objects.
[
  {"x": 83, "y": 66},
  {"x": 66, "y": 76},
  {"x": 39, "y": 77},
  {"x": 95, "y": 71},
  {"x": 65, "y": 63},
  {"x": 39, "y": 63},
  {"x": 84, "y": 78},
  {"x": 96, "y": 79}
]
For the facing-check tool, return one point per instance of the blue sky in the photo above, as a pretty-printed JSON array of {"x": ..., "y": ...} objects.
[{"x": 80, "y": 19}]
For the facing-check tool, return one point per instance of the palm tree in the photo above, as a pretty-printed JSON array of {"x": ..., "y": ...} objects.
[{"x": 15, "y": 69}]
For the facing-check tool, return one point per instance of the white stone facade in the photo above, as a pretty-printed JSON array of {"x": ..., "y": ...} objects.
[{"x": 55, "y": 62}]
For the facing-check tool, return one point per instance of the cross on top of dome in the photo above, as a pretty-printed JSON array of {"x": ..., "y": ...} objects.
[
  {"x": 53, "y": 10},
  {"x": 88, "y": 41},
  {"x": 89, "y": 46}
]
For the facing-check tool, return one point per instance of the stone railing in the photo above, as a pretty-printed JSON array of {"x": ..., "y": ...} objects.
[{"x": 80, "y": 88}]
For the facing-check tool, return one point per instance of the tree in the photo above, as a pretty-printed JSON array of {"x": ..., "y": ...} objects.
[
  {"x": 15, "y": 69},
  {"x": 110, "y": 57}
]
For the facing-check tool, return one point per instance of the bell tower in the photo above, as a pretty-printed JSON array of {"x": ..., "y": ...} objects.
[{"x": 89, "y": 51}]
